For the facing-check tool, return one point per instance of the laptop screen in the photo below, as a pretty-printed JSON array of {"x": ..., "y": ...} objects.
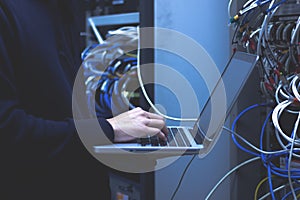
[{"x": 222, "y": 98}]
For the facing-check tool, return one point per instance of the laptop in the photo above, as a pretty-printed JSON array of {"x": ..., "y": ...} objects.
[{"x": 202, "y": 136}]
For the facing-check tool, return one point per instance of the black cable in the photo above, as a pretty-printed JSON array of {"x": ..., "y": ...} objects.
[
  {"x": 233, "y": 39},
  {"x": 182, "y": 176}
]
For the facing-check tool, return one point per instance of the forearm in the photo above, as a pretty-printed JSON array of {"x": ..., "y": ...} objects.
[{"x": 24, "y": 136}]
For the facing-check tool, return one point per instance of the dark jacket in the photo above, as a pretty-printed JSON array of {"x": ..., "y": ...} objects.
[{"x": 41, "y": 154}]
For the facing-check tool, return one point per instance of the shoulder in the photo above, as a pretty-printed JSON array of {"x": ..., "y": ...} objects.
[
  {"x": 5, "y": 9},
  {"x": 7, "y": 17},
  {"x": 9, "y": 12}
]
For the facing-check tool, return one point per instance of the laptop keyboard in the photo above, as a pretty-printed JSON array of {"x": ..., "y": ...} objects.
[{"x": 175, "y": 138}]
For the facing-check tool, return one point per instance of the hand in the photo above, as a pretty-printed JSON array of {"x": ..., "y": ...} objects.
[{"x": 137, "y": 123}]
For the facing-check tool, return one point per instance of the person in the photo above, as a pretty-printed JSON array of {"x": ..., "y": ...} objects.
[{"x": 42, "y": 156}]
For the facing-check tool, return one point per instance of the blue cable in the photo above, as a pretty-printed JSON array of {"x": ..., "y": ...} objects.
[
  {"x": 107, "y": 100},
  {"x": 261, "y": 3},
  {"x": 267, "y": 159},
  {"x": 270, "y": 183},
  {"x": 283, "y": 173},
  {"x": 295, "y": 174},
  {"x": 274, "y": 169},
  {"x": 263, "y": 132},
  {"x": 87, "y": 50},
  {"x": 129, "y": 59},
  {"x": 288, "y": 194},
  {"x": 279, "y": 171},
  {"x": 234, "y": 124},
  {"x": 271, "y": 156},
  {"x": 275, "y": 6}
]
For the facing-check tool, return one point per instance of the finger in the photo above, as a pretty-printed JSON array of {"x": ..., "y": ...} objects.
[
  {"x": 162, "y": 120},
  {"x": 158, "y": 123},
  {"x": 141, "y": 112},
  {"x": 156, "y": 131},
  {"x": 165, "y": 130},
  {"x": 162, "y": 136},
  {"x": 154, "y": 116},
  {"x": 155, "y": 123},
  {"x": 136, "y": 110}
]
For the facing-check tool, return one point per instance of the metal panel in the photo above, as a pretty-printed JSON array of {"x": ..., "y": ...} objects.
[{"x": 116, "y": 19}]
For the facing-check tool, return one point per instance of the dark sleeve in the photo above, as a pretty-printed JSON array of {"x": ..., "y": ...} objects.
[{"x": 22, "y": 135}]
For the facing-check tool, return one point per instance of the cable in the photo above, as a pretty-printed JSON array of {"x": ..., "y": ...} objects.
[
  {"x": 229, "y": 173},
  {"x": 254, "y": 147},
  {"x": 146, "y": 95},
  {"x": 270, "y": 166},
  {"x": 267, "y": 160},
  {"x": 278, "y": 48},
  {"x": 263, "y": 129},
  {"x": 295, "y": 31},
  {"x": 275, "y": 190},
  {"x": 258, "y": 186},
  {"x": 263, "y": 157},
  {"x": 273, "y": 154},
  {"x": 289, "y": 193},
  {"x": 291, "y": 155},
  {"x": 276, "y": 5},
  {"x": 270, "y": 183},
  {"x": 131, "y": 55},
  {"x": 100, "y": 57},
  {"x": 180, "y": 181},
  {"x": 275, "y": 119},
  {"x": 229, "y": 8},
  {"x": 263, "y": 28},
  {"x": 233, "y": 127},
  {"x": 97, "y": 34},
  {"x": 244, "y": 140}
]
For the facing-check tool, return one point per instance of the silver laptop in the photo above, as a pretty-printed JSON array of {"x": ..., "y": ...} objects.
[{"x": 204, "y": 134}]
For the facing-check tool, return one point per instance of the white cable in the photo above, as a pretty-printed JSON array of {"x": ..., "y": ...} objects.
[
  {"x": 295, "y": 31},
  {"x": 254, "y": 147},
  {"x": 291, "y": 155},
  {"x": 146, "y": 95},
  {"x": 294, "y": 88},
  {"x": 279, "y": 109},
  {"x": 263, "y": 28},
  {"x": 284, "y": 94},
  {"x": 269, "y": 193},
  {"x": 228, "y": 174},
  {"x": 98, "y": 36},
  {"x": 114, "y": 46},
  {"x": 229, "y": 8},
  {"x": 248, "y": 3},
  {"x": 254, "y": 32},
  {"x": 275, "y": 119},
  {"x": 279, "y": 140}
]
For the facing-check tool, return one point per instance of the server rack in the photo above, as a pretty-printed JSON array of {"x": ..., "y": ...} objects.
[{"x": 104, "y": 15}]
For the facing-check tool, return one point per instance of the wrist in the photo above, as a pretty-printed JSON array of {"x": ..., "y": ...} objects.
[{"x": 119, "y": 135}]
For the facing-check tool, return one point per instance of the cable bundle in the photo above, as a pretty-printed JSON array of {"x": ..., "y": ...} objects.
[
  {"x": 110, "y": 72},
  {"x": 117, "y": 90},
  {"x": 262, "y": 29}
]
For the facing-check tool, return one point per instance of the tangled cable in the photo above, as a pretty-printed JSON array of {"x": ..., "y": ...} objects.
[
  {"x": 110, "y": 72},
  {"x": 262, "y": 29}
]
